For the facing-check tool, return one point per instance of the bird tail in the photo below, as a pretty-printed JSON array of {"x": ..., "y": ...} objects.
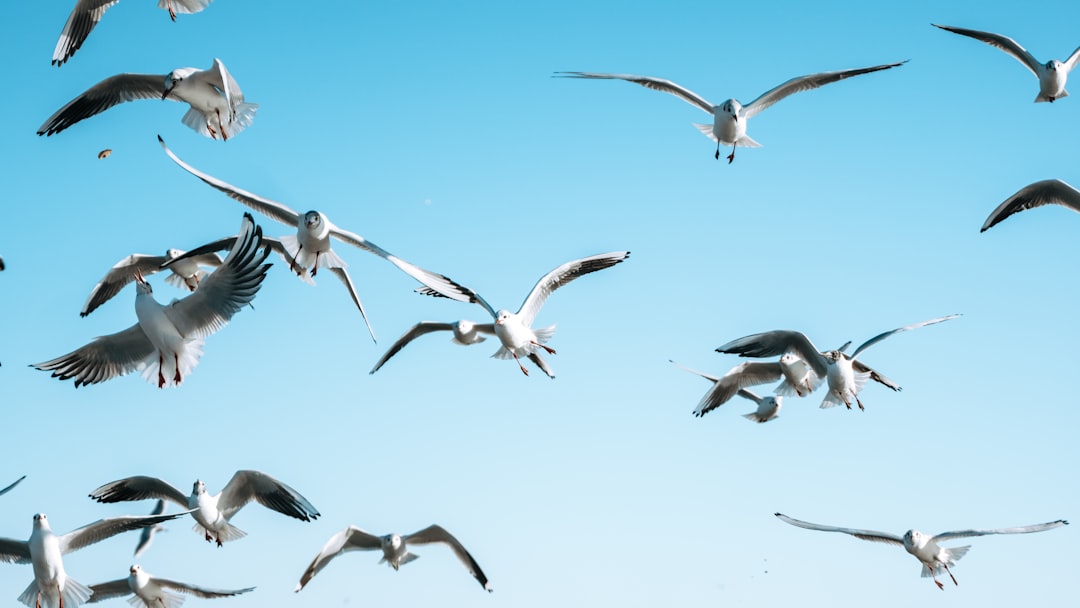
[
  {"x": 167, "y": 600},
  {"x": 544, "y": 334},
  {"x": 706, "y": 130},
  {"x": 746, "y": 142},
  {"x": 1041, "y": 97},
  {"x": 73, "y": 595},
  {"x": 183, "y": 7},
  {"x": 951, "y": 555},
  {"x": 227, "y": 532},
  {"x": 30, "y": 595},
  {"x": 193, "y": 350},
  {"x": 757, "y": 417},
  {"x": 242, "y": 118}
]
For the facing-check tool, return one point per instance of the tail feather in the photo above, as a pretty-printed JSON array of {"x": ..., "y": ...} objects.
[
  {"x": 167, "y": 600},
  {"x": 707, "y": 131},
  {"x": 228, "y": 532},
  {"x": 73, "y": 595},
  {"x": 193, "y": 350}
]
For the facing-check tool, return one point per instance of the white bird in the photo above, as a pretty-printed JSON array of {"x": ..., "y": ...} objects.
[
  {"x": 167, "y": 341},
  {"x": 1046, "y": 192},
  {"x": 147, "y": 535},
  {"x": 310, "y": 247},
  {"x": 52, "y": 587},
  {"x": 734, "y": 382},
  {"x": 87, "y": 13},
  {"x": 465, "y": 333},
  {"x": 1052, "y": 75},
  {"x": 217, "y": 104},
  {"x": 213, "y": 513},
  {"x": 154, "y": 592},
  {"x": 730, "y": 118},
  {"x": 515, "y": 330},
  {"x": 13, "y": 484},
  {"x": 924, "y": 547},
  {"x": 185, "y": 274},
  {"x": 394, "y": 548},
  {"x": 845, "y": 375}
]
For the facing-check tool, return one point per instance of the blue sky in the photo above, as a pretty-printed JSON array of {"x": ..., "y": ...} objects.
[{"x": 436, "y": 131}]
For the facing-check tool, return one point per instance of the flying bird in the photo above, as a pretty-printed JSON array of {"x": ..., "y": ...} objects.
[
  {"x": 394, "y": 548},
  {"x": 845, "y": 375},
  {"x": 730, "y": 118},
  {"x": 154, "y": 592},
  {"x": 1052, "y": 75},
  {"x": 185, "y": 274},
  {"x": 212, "y": 514},
  {"x": 311, "y": 249},
  {"x": 217, "y": 105},
  {"x": 87, "y": 13},
  {"x": 734, "y": 382},
  {"x": 147, "y": 535},
  {"x": 167, "y": 341},
  {"x": 1046, "y": 192},
  {"x": 52, "y": 587},
  {"x": 465, "y": 333},
  {"x": 515, "y": 331},
  {"x": 13, "y": 484},
  {"x": 924, "y": 547}
]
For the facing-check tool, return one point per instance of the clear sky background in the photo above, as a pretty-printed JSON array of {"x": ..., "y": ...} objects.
[{"x": 437, "y": 131}]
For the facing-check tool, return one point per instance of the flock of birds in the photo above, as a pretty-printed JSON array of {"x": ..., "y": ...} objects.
[{"x": 167, "y": 340}]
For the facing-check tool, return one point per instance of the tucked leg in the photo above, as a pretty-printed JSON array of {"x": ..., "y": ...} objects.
[{"x": 547, "y": 348}]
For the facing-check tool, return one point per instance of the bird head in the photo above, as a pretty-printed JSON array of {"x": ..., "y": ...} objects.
[
  {"x": 832, "y": 356},
  {"x": 1053, "y": 65},
  {"x": 731, "y": 108},
  {"x": 914, "y": 538},
  {"x": 41, "y": 522},
  {"x": 135, "y": 569},
  {"x": 173, "y": 78},
  {"x": 312, "y": 219},
  {"x": 198, "y": 488},
  {"x": 172, "y": 254},
  {"x": 502, "y": 317}
]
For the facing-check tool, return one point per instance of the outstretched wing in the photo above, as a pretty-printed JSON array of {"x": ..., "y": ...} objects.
[
  {"x": 198, "y": 591},
  {"x": 882, "y": 336},
  {"x": 80, "y": 23},
  {"x": 119, "y": 276},
  {"x": 1046, "y": 192},
  {"x": 349, "y": 539},
  {"x": 436, "y": 534},
  {"x": 805, "y": 83},
  {"x": 269, "y": 492},
  {"x": 13, "y": 484},
  {"x": 871, "y": 535},
  {"x": 102, "y": 96},
  {"x": 1004, "y": 43},
  {"x": 656, "y": 84},
  {"x": 104, "y": 358},
  {"x": 421, "y": 328},
  {"x": 1018, "y": 530},
  {"x": 109, "y": 590},
  {"x": 139, "y": 487},
  {"x": 775, "y": 343},
  {"x": 105, "y": 528},
  {"x": 563, "y": 275}
]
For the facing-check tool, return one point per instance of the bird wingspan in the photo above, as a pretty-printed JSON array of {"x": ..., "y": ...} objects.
[
  {"x": 269, "y": 492},
  {"x": 871, "y": 535},
  {"x": 13, "y": 484},
  {"x": 102, "y": 96},
  {"x": 1046, "y": 192},
  {"x": 103, "y": 358},
  {"x": 561, "y": 276},
  {"x": 805, "y": 83},
  {"x": 1018, "y": 530},
  {"x": 1004, "y": 43},
  {"x": 421, "y": 328},
  {"x": 882, "y": 336},
  {"x": 649, "y": 82},
  {"x": 349, "y": 539},
  {"x": 105, "y": 528},
  {"x": 436, "y": 534}
]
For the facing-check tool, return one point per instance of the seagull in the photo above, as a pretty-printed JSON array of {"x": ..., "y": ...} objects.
[
  {"x": 170, "y": 337},
  {"x": 185, "y": 274},
  {"x": 13, "y": 484},
  {"x": 845, "y": 375},
  {"x": 52, "y": 587},
  {"x": 310, "y": 248},
  {"x": 515, "y": 330},
  {"x": 213, "y": 513},
  {"x": 1046, "y": 192},
  {"x": 465, "y": 333},
  {"x": 733, "y": 383},
  {"x": 924, "y": 547},
  {"x": 87, "y": 13},
  {"x": 1052, "y": 75},
  {"x": 147, "y": 535},
  {"x": 153, "y": 592},
  {"x": 217, "y": 104},
  {"x": 730, "y": 118},
  {"x": 394, "y": 548}
]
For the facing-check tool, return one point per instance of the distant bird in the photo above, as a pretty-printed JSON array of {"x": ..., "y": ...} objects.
[
  {"x": 924, "y": 547},
  {"x": 167, "y": 341},
  {"x": 515, "y": 330},
  {"x": 87, "y": 13},
  {"x": 1046, "y": 192},
  {"x": 310, "y": 248},
  {"x": 394, "y": 548},
  {"x": 846, "y": 376},
  {"x": 104, "y": 154},
  {"x": 52, "y": 587},
  {"x": 186, "y": 274},
  {"x": 730, "y": 118},
  {"x": 213, "y": 513},
  {"x": 217, "y": 105},
  {"x": 1052, "y": 75},
  {"x": 153, "y": 592},
  {"x": 734, "y": 383},
  {"x": 1, "y": 263},
  {"x": 465, "y": 333},
  {"x": 13, "y": 484},
  {"x": 147, "y": 535}
]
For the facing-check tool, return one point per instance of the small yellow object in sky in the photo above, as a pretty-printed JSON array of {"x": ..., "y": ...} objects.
[{"x": 104, "y": 154}]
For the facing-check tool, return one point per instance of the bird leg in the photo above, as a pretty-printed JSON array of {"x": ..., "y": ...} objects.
[
  {"x": 293, "y": 266},
  {"x": 316, "y": 266},
  {"x": 731, "y": 157},
  {"x": 219, "y": 541},
  {"x": 946, "y": 566},
  {"x": 61, "y": 594},
  {"x": 172, "y": 13},
  {"x": 547, "y": 348},
  {"x": 221, "y": 125},
  {"x": 207, "y": 533},
  {"x": 523, "y": 370},
  {"x": 937, "y": 582},
  {"x": 176, "y": 376},
  {"x": 210, "y": 128},
  {"x": 160, "y": 375},
  {"x": 861, "y": 408},
  {"x": 717, "y": 155},
  {"x": 38, "y": 605}
]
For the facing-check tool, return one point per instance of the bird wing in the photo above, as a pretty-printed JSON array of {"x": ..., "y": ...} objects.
[
  {"x": 349, "y": 539},
  {"x": 474, "y": 298},
  {"x": 1004, "y": 43},
  {"x": 269, "y": 492},
  {"x": 271, "y": 209},
  {"x": 1070, "y": 63},
  {"x": 656, "y": 84},
  {"x": 882, "y": 336},
  {"x": 80, "y": 22},
  {"x": 13, "y": 484},
  {"x": 436, "y": 534},
  {"x": 421, "y": 328},
  {"x": 228, "y": 289},
  {"x": 733, "y": 382},
  {"x": 147, "y": 534},
  {"x": 14, "y": 551},
  {"x": 805, "y": 83},
  {"x": 871, "y": 535},
  {"x": 119, "y": 276},
  {"x": 776, "y": 343},
  {"x": 202, "y": 592},
  {"x": 563, "y": 275},
  {"x": 343, "y": 274},
  {"x": 105, "y": 528},
  {"x": 1046, "y": 192},
  {"x": 102, "y": 96},
  {"x": 875, "y": 375},
  {"x": 206, "y": 255},
  {"x": 109, "y": 590},
  {"x": 1019, "y": 530},
  {"x": 139, "y": 487},
  {"x": 103, "y": 358},
  {"x": 709, "y": 377}
]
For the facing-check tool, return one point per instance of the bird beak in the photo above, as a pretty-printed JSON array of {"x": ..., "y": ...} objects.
[
  {"x": 138, "y": 277},
  {"x": 166, "y": 93}
]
